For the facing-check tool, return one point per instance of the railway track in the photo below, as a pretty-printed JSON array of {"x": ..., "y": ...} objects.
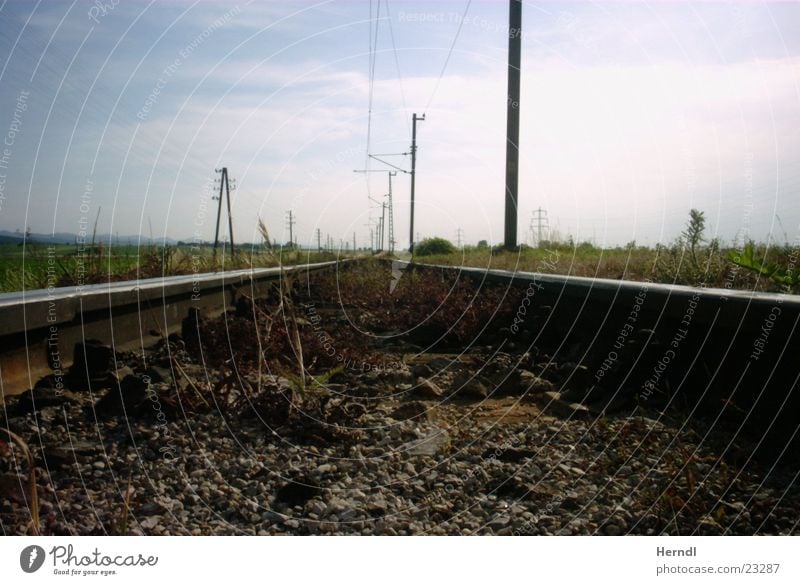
[
  {"x": 537, "y": 418},
  {"x": 714, "y": 347},
  {"x": 39, "y": 329}
]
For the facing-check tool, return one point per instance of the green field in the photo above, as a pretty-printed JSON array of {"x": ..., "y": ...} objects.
[
  {"x": 39, "y": 265},
  {"x": 752, "y": 267}
]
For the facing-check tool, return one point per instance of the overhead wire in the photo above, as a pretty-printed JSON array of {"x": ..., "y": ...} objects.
[
  {"x": 373, "y": 44},
  {"x": 397, "y": 68},
  {"x": 449, "y": 54},
  {"x": 373, "y": 57}
]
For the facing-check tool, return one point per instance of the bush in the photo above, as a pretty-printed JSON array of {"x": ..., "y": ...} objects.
[
  {"x": 433, "y": 246},
  {"x": 694, "y": 232}
]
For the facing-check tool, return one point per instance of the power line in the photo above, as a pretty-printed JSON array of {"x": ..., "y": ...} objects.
[
  {"x": 449, "y": 54},
  {"x": 375, "y": 156},
  {"x": 397, "y": 66},
  {"x": 373, "y": 58}
]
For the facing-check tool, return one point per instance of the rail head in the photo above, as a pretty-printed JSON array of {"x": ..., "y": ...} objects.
[
  {"x": 606, "y": 288},
  {"x": 26, "y": 310}
]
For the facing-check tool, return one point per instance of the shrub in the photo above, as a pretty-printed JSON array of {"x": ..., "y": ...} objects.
[
  {"x": 433, "y": 246},
  {"x": 694, "y": 232}
]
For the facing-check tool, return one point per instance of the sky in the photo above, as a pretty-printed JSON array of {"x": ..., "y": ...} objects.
[{"x": 632, "y": 114}]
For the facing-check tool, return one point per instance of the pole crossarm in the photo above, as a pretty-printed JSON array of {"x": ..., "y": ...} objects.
[{"x": 375, "y": 157}]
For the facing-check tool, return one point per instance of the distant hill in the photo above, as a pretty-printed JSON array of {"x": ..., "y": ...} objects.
[{"x": 7, "y": 237}]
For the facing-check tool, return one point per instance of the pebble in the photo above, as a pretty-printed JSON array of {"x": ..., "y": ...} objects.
[
  {"x": 428, "y": 475},
  {"x": 499, "y": 522}
]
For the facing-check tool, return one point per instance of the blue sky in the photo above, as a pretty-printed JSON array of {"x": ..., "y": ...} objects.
[{"x": 632, "y": 114}]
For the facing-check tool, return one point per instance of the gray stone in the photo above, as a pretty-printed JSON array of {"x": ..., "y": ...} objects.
[
  {"x": 533, "y": 384},
  {"x": 410, "y": 410},
  {"x": 427, "y": 390},
  {"x": 150, "y": 523},
  {"x": 432, "y": 443},
  {"x": 122, "y": 398},
  {"x": 499, "y": 522},
  {"x": 421, "y": 370},
  {"x": 469, "y": 387}
]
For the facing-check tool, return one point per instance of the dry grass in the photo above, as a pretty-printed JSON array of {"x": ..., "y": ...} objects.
[{"x": 33, "y": 493}]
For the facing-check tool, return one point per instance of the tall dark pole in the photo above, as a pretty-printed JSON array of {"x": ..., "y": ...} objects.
[
  {"x": 391, "y": 213},
  {"x": 219, "y": 207},
  {"x": 292, "y": 221},
  {"x": 383, "y": 225},
  {"x": 414, "y": 120},
  {"x": 224, "y": 184},
  {"x": 512, "y": 120},
  {"x": 228, "y": 197}
]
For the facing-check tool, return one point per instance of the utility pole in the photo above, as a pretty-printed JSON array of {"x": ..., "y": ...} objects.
[
  {"x": 414, "y": 120},
  {"x": 291, "y": 221},
  {"x": 391, "y": 214},
  {"x": 459, "y": 234},
  {"x": 391, "y": 174},
  {"x": 319, "y": 240},
  {"x": 512, "y": 121},
  {"x": 383, "y": 225},
  {"x": 224, "y": 182},
  {"x": 539, "y": 217},
  {"x": 230, "y": 217}
]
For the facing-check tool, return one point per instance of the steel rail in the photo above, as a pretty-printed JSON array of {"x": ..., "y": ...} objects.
[{"x": 39, "y": 329}]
